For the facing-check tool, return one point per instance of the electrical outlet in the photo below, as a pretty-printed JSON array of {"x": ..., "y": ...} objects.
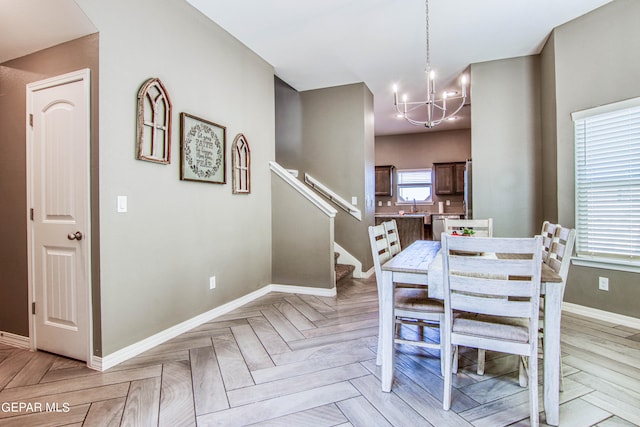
[
  {"x": 603, "y": 283},
  {"x": 212, "y": 282}
]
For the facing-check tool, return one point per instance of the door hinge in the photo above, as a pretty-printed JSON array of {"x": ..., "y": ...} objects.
[
  {"x": 33, "y": 308},
  {"x": 31, "y": 120},
  {"x": 31, "y": 214}
]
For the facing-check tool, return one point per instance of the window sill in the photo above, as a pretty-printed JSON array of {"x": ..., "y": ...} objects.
[
  {"x": 606, "y": 264},
  {"x": 411, "y": 203}
]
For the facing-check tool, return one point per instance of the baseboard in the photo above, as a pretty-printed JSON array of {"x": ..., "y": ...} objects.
[
  {"x": 15, "y": 340},
  {"x": 369, "y": 273},
  {"x": 133, "y": 350},
  {"x": 606, "y": 316},
  {"x": 304, "y": 290},
  {"x": 95, "y": 363}
]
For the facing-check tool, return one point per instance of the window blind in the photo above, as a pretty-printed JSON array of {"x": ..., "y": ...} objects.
[
  {"x": 607, "y": 167},
  {"x": 414, "y": 176}
]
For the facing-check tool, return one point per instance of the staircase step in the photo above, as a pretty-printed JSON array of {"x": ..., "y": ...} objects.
[{"x": 344, "y": 271}]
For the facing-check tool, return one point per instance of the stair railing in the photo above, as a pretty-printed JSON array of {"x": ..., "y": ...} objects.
[{"x": 332, "y": 196}]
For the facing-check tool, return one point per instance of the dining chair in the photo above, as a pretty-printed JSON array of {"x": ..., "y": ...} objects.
[
  {"x": 393, "y": 238},
  {"x": 496, "y": 301},
  {"x": 558, "y": 259},
  {"x": 411, "y": 305},
  {"x": 480, "y": 227},
  {"x": 548, "y": 233}
]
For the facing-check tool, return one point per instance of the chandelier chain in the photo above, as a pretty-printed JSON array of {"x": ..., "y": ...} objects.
[{"x": 428, "y": 45}]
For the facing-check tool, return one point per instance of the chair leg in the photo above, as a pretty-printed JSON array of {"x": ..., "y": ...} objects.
[
  {"x": 481, "y": 360},
  {"x": 455, "y": 360},
  {"x": 523, "y": 371},
  {"x": 561, "y": 374},
  {"x": 442, "y": 344},
  {"x": 379, "y": 350},
  {"x": 533, "y": 390},
  {"x": 448, "y": 366}
]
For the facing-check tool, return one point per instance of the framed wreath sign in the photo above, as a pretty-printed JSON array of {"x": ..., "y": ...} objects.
[{"x": 202, "y": 150}]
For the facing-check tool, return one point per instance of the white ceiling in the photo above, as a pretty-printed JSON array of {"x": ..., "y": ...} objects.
[
  {"x": 27, "y": 26},
  {"x": 323, "y": 43}
]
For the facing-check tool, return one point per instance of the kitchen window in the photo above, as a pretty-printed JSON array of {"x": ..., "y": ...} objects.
[
  {"x": 414, "y": 185},
  {"x": 607, "y": 172}
]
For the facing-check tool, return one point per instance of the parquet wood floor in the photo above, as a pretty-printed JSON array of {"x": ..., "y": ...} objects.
[{"x": 298, "y": 360}]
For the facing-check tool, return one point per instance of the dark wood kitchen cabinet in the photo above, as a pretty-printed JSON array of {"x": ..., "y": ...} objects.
[
  {"x": 449, "y": 178},
  {"x": 384, "y": 180}
]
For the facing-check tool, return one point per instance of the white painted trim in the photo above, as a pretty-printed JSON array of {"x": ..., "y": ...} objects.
[
  {"x": 606, "y": 316},
  {"x": 346, "y": 258},
  {"x": 95, "y": 363},
  {"x": 84, "y": 76},
  {"x": 133, "y": 350},
  {"x": 304, "y": 290},
  {"x": 325, "y": 207},
  {"x": 606, "y": 264},
  {"x": 369, "y": 273},
  {"x": 15, "y": 340}
]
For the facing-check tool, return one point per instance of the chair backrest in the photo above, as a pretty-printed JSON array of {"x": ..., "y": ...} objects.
[
  {"x": 379, "y": 249},
  {"x": 560, "y": 250},
  {"x": 548, "y": 233},
  {"x": 393, "y": 238},
  {"x": 501, "y": 279},
  {"x": 481, "y": 227}
]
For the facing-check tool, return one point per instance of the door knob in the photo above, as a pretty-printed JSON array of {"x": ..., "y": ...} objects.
[{"x": 75, "y": 236}]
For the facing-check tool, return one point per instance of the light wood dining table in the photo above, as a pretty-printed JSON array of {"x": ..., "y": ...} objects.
[{"x": 422, "y": 258}]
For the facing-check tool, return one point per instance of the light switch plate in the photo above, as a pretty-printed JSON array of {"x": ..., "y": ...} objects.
[
  {"x": 122, "y": 204},
  {"x": 603, "y": 283}
]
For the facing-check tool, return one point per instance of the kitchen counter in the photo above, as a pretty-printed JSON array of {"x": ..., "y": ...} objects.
[
  {"x": 410, "y": 226},
  {"x": 425, "y": 215}
]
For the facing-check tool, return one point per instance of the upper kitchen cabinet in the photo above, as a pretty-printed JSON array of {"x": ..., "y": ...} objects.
[
  {"x": 384, "y": 180},
  {"x": 449, "y": 178}
]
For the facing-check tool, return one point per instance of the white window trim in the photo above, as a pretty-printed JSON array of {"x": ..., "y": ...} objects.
[
  {"x": 617, "y": 264},
  {"x": 606, "y": 264},
  {"x": 398, "y": 185}
]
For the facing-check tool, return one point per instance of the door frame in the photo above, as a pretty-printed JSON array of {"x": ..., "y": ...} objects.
[{"x": 82, "y": 75}]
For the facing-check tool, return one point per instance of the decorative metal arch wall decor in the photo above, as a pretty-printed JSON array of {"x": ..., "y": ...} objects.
[
  {"x": 154, "y": 122},
  {"x": 202, "y": 148},
  {"x": 241, "y": 165}
]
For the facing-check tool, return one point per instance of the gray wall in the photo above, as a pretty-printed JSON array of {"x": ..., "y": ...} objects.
[
  {"x": 14, "y": 76},
  {"x": 338, "y": 150},
  {"x": 506, "y": 144},
  {"x": 548, "y": 115},
  {"x": 289, "y": 146},
  {"x": 302, "y": 247},
  {"x": 157, "y": 258},
  {"x": 413, "y": 151},
  {"x": 596, "y": 62},
  {"x": 328, "y": 133}
]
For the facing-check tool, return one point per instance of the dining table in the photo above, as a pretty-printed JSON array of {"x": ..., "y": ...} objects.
[{"x": 422, "y": 260}]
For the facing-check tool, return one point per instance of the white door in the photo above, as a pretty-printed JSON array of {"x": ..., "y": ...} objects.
[{"x": 58, "y": 138}]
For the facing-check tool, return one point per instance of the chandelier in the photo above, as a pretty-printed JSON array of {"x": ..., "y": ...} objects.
[{"x": 436, "y": 108}]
